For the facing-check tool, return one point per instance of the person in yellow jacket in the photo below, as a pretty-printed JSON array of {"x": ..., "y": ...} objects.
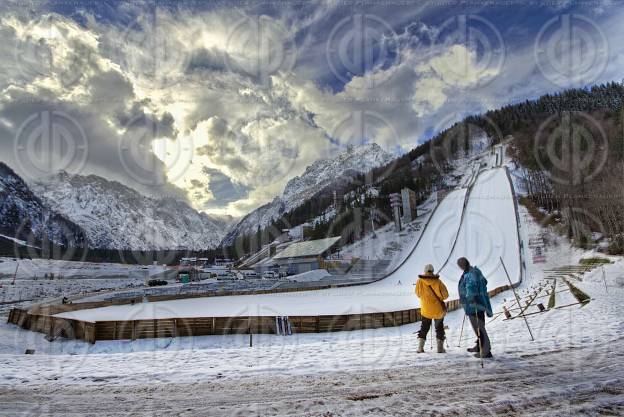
[{"x": 432, "y": 292}]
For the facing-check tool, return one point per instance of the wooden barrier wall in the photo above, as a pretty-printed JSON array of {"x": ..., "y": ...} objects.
[
  {"x": 53, "y": 327},
  {"x": 41, "y": 320},
  {"x": 63, "y": 308}
]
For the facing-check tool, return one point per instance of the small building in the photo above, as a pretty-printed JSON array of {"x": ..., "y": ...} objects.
[
  {"x": 224, "y": 262},
  {"x": 305, "y": 256}
]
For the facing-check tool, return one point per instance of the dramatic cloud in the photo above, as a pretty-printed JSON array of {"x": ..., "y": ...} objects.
[{"x": 222, "y": 106}]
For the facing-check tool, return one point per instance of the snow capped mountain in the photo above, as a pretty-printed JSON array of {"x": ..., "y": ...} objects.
[
  {"x": 25, "y": 217},
  {"x": 323, "y": 172},
  {"x": 116, "y": 216},
  {"x": 354, "y": 160}
]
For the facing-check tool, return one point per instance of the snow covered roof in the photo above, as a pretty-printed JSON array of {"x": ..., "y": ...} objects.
[
  {"x": 310, "y": 276},
  {"x": 307, "y": 248}
]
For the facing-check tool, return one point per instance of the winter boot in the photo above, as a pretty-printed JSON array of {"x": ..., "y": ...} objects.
[
  {"x": 474, "y": 349},
  {"x": 441, "y": 346},
  {"x": 421, "y": 345}
]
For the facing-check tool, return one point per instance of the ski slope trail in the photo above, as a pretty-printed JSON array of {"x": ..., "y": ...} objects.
[{"x": 487, "y": 231}]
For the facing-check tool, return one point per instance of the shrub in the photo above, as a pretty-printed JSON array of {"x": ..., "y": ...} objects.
[{"x": 593, "y": 261}]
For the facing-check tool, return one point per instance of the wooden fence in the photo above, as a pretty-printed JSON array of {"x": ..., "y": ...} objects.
[{"x": 41, "y": 320}]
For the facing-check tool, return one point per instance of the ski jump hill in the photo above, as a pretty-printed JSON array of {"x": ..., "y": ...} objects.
[{"x": 478, "y": 221}]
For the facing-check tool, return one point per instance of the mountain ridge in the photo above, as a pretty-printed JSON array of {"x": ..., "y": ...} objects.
[
  {"x": 115, "y": 216},
  {"x": 26, "y": 217},
  {"x": 320, "y": 174}
]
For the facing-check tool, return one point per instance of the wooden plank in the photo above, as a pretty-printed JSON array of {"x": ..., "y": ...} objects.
[
  {"x": 104, "y": 331},
  {"x": 23, "y": 316},
  {"x": 354, "y": 322},
  {"x": 388, "y": 319},
  {"x": 90, "y": 332},
  {"x": 231, "y": 325},
  {"x": 121, "y": 329},
  {"x": 184, "y": 327},
  {"x": 367, "y": 321},
  {"x": 79, "y": 329}
]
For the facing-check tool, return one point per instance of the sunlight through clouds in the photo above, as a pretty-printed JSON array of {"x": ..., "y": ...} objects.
[{"x": 255, "y": 95}]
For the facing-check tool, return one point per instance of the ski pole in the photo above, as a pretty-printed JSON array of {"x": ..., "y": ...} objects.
[
  {"x": 461, "y": 332},
  {"x": 15, "y": 274}
]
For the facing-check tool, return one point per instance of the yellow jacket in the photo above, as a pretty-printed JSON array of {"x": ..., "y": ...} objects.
[{"x": 426, "y": 287}]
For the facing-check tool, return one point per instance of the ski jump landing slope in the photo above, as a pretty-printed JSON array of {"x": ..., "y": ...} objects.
[{"x": 487, "y": 231}]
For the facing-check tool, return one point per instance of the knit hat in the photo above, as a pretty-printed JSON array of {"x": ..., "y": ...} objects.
[{"x": 428, "y": 269}]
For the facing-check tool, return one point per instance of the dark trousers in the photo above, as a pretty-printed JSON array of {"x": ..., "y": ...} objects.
[
  {"x": 478, "y": 325},
  {"x": 426, "y": 325}
]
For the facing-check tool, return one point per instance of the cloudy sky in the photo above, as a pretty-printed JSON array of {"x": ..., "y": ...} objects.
[{"x": 221, "y": 105}]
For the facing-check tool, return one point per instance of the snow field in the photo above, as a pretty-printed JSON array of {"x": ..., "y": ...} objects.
[
  {"x": 70, "y": 279},
  {"x": 210, "y": 358},
  {"x": 31, "y": 268}
]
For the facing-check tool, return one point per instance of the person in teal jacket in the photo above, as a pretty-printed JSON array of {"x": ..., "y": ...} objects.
[{"x": 475, "y": 300}]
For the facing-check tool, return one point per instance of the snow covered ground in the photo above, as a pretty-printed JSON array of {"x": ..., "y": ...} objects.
[
  {"x": 37, "y": 268},
  {"x": 70, "y": 279},
  {"x": 26, "y": 292},
  {"x": 574, "y": 366},
  {"x": 389, "y": 245}
]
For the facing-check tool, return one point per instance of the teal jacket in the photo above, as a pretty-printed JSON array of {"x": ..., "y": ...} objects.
[{"x": 473, "y": 294}]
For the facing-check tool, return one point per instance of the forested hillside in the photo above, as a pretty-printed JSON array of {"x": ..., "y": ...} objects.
[{"x": 571, "y": 146}]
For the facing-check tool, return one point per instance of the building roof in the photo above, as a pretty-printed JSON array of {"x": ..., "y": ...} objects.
[{"x": 307, "y": 248}]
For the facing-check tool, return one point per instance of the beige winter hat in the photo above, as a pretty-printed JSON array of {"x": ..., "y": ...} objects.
[{"x": 428, "y": 269}]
